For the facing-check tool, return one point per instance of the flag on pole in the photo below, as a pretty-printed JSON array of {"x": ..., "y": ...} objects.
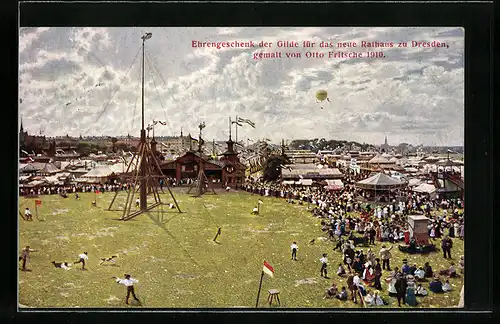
[
  {"x": 97, "y": 192},
  {"x": 235, "y": 122},
  {"x": 38, "y": 202},
  {"x": 260, "y": 201},
  {"x": 247, "y": 121},
  {"x": 267, "y": 269}
]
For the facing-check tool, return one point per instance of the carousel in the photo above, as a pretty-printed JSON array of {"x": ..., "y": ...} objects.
[{"x": 380, "y": 186}]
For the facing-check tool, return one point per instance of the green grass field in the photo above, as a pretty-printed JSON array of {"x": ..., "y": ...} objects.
[{"x": 177, "y": 263}]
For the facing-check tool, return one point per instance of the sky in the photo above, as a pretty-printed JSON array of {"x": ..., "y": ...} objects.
[{"x": 87, "y": 81}]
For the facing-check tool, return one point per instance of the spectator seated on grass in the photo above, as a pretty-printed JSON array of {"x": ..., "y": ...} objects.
[
  {"x": 450, "y": 272},
  {"x": 341, "y": 271},
  {"x": 375, "y": 299},
  {"x": 421, "y": 291},
  {"x": 447, "y": 286},
  {"x": 405, "y": 268},
  {"x": 428, "y": 270},
  {"x": 342, "y": 295},
  {"x": 419, "y": 274},
  {"x": 331, "y": 292}
]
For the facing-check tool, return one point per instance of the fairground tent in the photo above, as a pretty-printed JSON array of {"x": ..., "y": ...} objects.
[
  {"x": 379, "y": 159},
  {"x": 334, "y": 184},
  {"x": 380, "y": 181},
  {"x": 425, "y": 188}
]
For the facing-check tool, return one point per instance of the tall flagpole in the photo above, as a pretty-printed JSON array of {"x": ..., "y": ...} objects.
[
  {"x": 143, "y": 190},
  {"x": 260, "y": 286},
  {"x": 236, "y": 129},
  {"x": 230, "y": 126}
]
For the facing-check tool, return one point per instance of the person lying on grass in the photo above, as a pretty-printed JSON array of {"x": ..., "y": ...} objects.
[
  {"x": 108, "y": 259},
  {"x": 62, "y": 265}
]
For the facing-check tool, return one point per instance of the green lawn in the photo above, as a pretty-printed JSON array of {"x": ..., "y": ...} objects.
[{"x": 177, "y": 263}]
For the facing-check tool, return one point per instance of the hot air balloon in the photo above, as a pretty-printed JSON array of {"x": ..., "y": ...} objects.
[{"x": 321, "y": 95}]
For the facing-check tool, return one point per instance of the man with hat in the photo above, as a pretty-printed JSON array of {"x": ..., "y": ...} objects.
[
  {"x": 405, "y": 268},
  {"x": 129, "y": 283},
  {"x": 378, "y": 274},
  {"x": 400, "y": 286},
  {"x": 385, "y": 255},
  {"x": 324, "y": 264},
  {"x": 446, "y": 245}
]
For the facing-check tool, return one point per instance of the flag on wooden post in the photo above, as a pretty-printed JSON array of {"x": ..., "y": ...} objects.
[
  {"x": 268, "y": 269},
  {"x": 97, "y": 192},
  {"x": 38, "y": 202},
  {"x": 260, "y": 201}
]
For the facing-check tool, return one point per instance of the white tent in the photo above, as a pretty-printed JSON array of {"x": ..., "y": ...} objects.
[
  {"x": 380, "y": 181},
  {"x": 98, "y": 172},
  {"x": 425, "y": 188},
  {"x": 414, "y": 182},
  {"x": 305, "y": 182},
  {"x": 118, "y": 168},
  {"x": 379, "y": 159},
  {"x": 393, "y": 159}
]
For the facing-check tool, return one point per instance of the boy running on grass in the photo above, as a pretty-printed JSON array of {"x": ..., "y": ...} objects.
[
  {"x": 82, "y": 257},
  {"x": 129, "y": 283}
]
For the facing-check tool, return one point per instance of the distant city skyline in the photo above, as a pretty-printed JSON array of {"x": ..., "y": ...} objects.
[{"x": 67, "y": 76}]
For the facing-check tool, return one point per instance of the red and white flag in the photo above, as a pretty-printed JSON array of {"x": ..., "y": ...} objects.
[{"x": 267, "y": 269}]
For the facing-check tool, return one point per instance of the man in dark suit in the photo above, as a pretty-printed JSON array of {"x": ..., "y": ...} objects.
[
  {"x": 446, "y": 245},
  {"x": 400, "y": 288}
]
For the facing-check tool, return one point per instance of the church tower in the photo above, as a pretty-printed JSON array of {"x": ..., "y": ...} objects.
[{"x": 22, "y": 134}]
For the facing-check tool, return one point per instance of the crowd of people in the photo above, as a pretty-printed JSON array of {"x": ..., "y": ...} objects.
[{"x": 351, "y": 225}]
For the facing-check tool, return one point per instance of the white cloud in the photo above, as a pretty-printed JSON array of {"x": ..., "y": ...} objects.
[{"x": 68, "y": 76}]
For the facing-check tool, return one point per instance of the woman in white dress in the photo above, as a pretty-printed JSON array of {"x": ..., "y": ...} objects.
[
  {"x": 391, "y": 280},
  {"x": 432, "y": 234}
]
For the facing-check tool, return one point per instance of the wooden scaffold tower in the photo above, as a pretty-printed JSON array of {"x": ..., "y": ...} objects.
[
  {"x": 201, "y": 185},
  {"x": 144, "y": 170}
]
